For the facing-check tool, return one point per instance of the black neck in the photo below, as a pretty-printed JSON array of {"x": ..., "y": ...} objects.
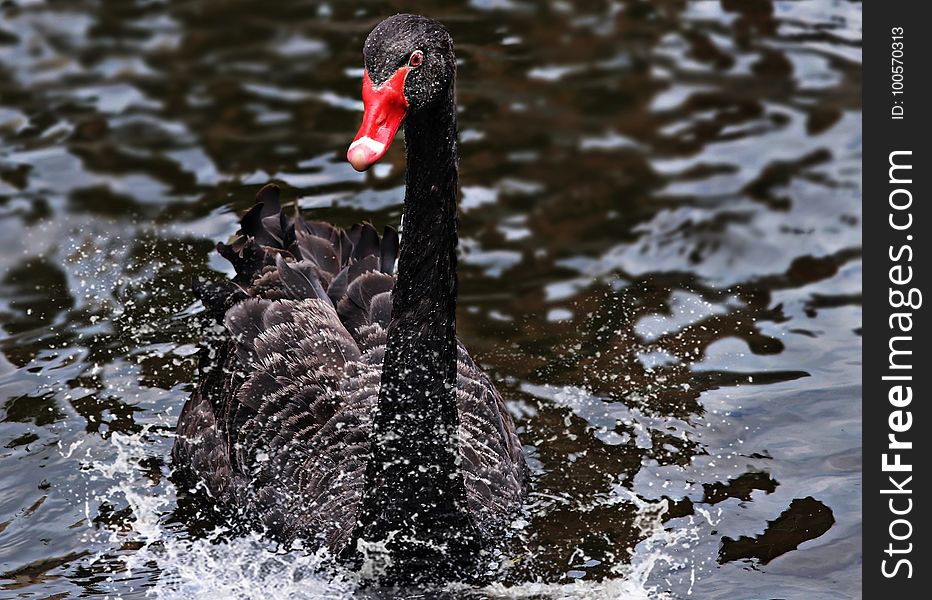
[
  {"x": 424, "y": 299},
  {"x": 412, "y": 481}
]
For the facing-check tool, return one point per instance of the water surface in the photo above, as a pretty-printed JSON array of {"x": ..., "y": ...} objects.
[{"x": 660, "y": 266}]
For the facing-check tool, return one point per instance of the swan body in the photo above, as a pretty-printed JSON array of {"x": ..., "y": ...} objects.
[{"x": 335, "y": 404}]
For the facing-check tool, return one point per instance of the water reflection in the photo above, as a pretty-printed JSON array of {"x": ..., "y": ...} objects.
[{"x": 661, "y": 241}]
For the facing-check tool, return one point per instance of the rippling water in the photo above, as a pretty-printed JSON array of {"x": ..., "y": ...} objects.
[{"x": 661, "y": 267}]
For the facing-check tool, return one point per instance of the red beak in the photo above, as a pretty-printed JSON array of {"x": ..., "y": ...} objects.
[{"x": 385, "y": 110}]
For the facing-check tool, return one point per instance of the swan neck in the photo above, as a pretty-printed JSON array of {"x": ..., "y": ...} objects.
[
  {"x": 419, "y": 369},
  {"x": 413, "y": 480}
]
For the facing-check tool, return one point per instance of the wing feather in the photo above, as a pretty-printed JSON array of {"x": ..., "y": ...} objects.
[{"x": 278, "y": 426}]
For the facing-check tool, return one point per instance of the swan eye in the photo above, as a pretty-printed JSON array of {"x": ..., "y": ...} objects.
[{"x": 417, "y": 57}]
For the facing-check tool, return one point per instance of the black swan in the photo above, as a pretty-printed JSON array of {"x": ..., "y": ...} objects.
[{"x": 335, "y": 405}]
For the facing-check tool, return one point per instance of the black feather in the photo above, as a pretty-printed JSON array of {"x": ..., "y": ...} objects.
[
  {"x": 389, "y": 250},
  {"x": 278, "y": 427},
  {"x": 269, "y": 196},
  {"x": 300, "y": 282},
  {"x": 365, "y": 239}
]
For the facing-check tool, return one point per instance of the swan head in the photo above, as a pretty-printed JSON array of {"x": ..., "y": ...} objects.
[{"x": 409, "y": 67}]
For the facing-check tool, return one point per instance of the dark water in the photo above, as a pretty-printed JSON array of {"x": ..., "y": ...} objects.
[{"x": 661, "y": 244}]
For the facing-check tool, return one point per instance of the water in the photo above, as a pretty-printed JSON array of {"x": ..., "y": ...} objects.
[{"x": 661, "y": 268}]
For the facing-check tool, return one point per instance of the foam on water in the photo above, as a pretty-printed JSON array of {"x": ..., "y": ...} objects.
[
  {"x": 177, "y": 567},
  {"x": 241, "y": 568},
  {"x": 168, "y": 565}
]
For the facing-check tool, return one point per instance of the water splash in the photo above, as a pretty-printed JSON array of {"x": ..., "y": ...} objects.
[
  {"x": 660, "y": 552},
  {"x": 245, "y": 568},
  {"x": 176, "y": 567},
  {"x": 169, "y": 565}
]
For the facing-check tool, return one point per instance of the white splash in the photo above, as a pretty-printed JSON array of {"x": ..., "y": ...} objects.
[
  {"x": 170, "y": 566},
  {"x": 241, "y": 568},
  {"x": 246, "y": 567}
]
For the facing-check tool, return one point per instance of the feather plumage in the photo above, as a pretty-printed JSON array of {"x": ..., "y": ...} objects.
[{"x": 278, "y": 427}]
